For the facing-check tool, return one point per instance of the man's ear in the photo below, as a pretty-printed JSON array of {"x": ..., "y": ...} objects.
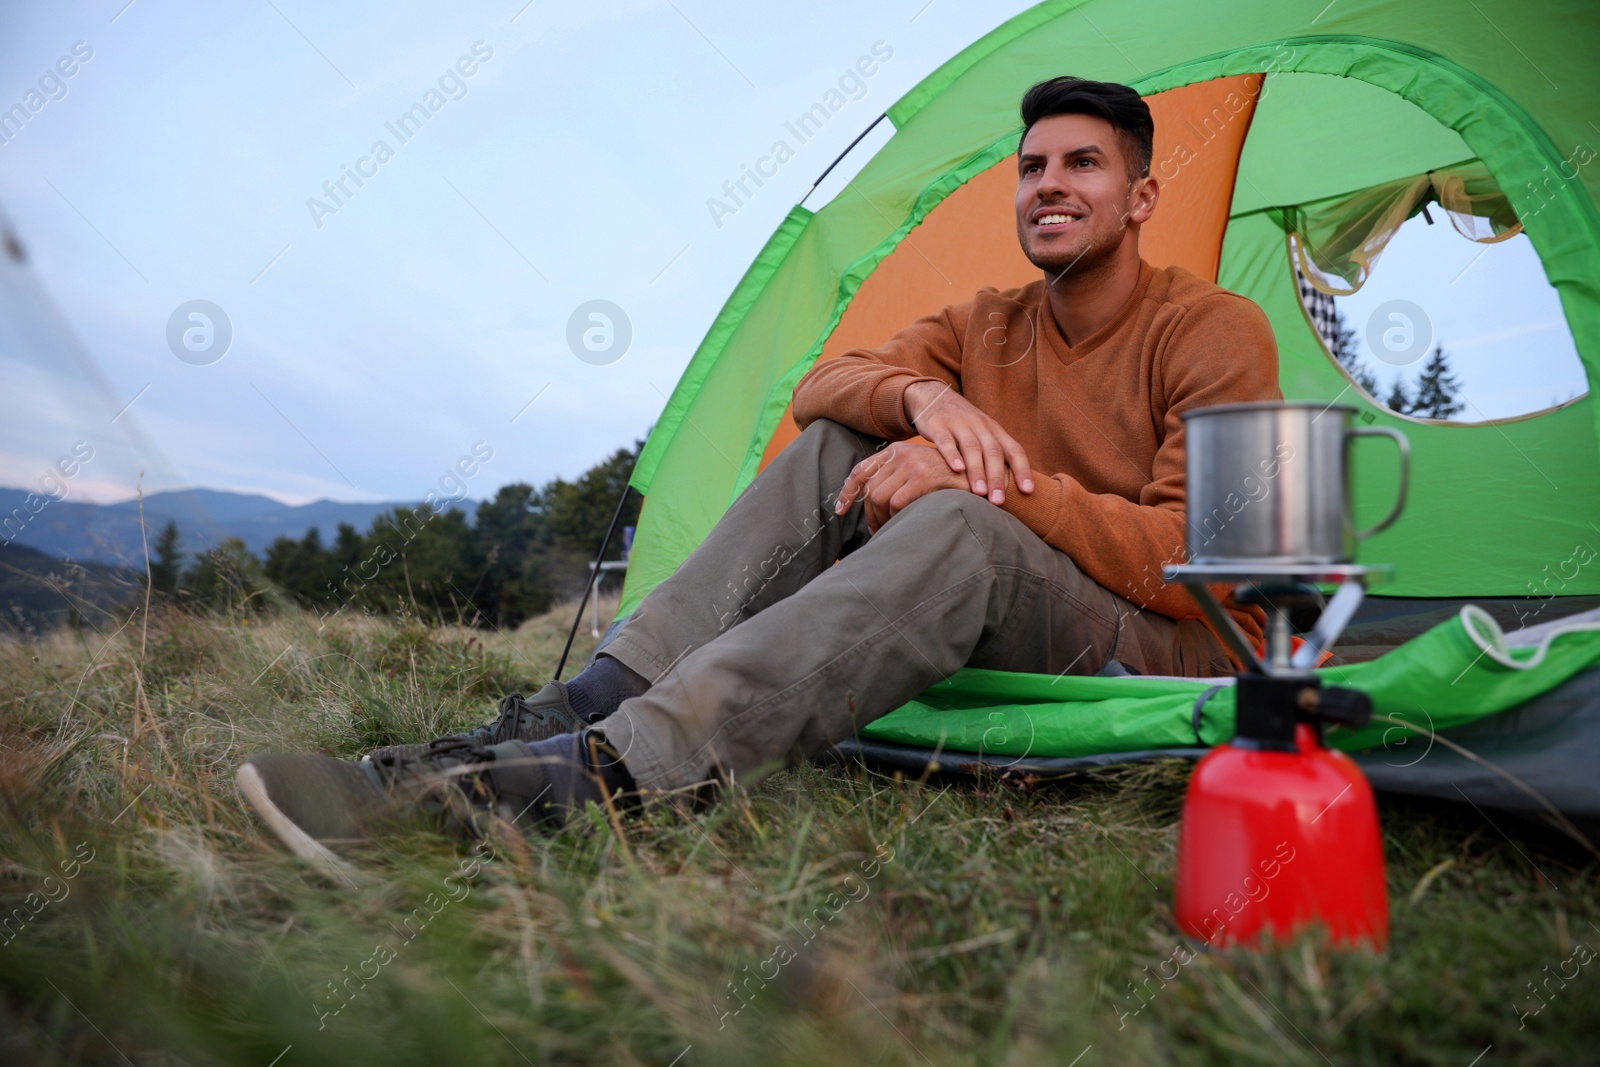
[{"x": 1142, "y": 199}]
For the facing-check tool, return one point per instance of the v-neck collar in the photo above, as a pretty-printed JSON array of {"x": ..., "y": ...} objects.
[{"x": 1070, "y": 353}]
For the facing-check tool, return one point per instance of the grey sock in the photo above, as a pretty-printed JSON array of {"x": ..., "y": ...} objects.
[
  {"x": 602, "y": 687},
  {"x": 580, "y": 767}
]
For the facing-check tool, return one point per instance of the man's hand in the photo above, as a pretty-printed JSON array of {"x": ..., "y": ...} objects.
[
  {"x": 969, "y": 440},
  {"x": 889, "y": 480}
]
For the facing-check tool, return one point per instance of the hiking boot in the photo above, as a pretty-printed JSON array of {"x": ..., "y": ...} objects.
[
  {"x": 547, "y": 714},
  {"x": 458, "y": 785}
]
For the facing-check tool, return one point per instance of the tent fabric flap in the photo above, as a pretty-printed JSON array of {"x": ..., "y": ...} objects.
[{"x": 1455, "y": 674}]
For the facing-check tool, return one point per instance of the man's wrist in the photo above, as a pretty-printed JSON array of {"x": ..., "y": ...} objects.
[
  {"x": 914, "y": 401},
  {"x": 908, "y": 403}
]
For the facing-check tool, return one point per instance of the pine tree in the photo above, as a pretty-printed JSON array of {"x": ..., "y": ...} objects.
[
  {"x": 1399, "y": 401},
  {"x": 166, "y": 568},
  {"x": 226, "y": 578},
  {"x": 302, "y": 568},
  {"x": 1343, "y": 347},
  {"x": 515, "y": 544},
  {"x": 1437, "y": 389}
]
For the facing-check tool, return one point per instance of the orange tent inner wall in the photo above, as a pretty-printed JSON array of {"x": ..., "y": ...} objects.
[{"x": 969, "y": 240}]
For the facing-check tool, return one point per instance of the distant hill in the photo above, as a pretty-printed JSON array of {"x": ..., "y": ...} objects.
[
  {"x": 40, "y": 592},
  {"x": 109, "y": 533}
]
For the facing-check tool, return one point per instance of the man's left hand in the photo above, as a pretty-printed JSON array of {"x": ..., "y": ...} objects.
[{"x": 889, "y": 480}]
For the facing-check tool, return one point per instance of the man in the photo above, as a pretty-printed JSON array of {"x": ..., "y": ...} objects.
[{"x": 1026, "y": 532}]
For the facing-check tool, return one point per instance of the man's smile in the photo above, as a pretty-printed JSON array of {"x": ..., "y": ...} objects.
[{"x": 1048, "y": 220}]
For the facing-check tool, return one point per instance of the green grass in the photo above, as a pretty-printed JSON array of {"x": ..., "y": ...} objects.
[{"x": 969, "y": 921}]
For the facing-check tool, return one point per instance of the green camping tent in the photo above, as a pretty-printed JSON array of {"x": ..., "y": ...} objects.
[{"x": 1257, "y": 103}]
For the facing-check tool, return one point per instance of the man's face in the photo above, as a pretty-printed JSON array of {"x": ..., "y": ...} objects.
[{"x": 1074, "y": 196}]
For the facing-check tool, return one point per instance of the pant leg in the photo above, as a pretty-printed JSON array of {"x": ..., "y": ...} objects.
[
  {"x": 950, "y": 580},
  {"x": 779, "y": 534}
]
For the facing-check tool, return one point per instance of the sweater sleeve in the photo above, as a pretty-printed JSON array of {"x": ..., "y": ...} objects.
[
  {"x": 1221, "y": 351},
  {"x": 865, "y": 388}
]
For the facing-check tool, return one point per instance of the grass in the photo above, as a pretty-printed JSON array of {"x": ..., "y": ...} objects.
[{"x": 828, "y": 915}]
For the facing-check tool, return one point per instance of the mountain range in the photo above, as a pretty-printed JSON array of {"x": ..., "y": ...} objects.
[{"x": 111, "y": 534}]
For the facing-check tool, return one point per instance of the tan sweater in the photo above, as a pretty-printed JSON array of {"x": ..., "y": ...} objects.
[{"x": 1100, "y": 421}]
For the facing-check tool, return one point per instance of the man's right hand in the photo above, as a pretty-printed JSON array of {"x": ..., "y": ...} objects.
[{"x": 969, "y": 440}]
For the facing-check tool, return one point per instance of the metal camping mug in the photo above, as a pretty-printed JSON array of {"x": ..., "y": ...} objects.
[{"x": 1269, "y": 483}]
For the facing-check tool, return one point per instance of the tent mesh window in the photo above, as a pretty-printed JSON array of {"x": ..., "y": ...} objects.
[{"x": 1336, "y": 243}]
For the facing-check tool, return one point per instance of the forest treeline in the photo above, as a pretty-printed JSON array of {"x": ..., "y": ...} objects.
[{"x": 516, "y": 555}]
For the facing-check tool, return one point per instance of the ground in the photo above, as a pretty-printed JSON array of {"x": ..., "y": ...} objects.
[{"x": 827, "y": 915}]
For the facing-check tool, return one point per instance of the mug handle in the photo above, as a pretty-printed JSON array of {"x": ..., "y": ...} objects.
[{"x": 1405, "y": 474}]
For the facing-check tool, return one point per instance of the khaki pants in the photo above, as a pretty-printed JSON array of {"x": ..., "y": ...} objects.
[{"x": 789, "y": 627}]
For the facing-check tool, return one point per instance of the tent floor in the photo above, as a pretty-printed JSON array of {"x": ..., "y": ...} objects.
[{"x": 1524, "y": 761}]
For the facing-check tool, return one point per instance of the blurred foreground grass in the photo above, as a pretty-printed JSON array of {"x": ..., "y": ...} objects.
[{"x": 829, "y": 915}]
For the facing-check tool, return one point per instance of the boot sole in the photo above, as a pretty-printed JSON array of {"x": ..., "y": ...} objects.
[{"x": 253, "y": 788}]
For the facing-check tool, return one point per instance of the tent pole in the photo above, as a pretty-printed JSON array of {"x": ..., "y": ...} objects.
[
  {"x": 594, "y": 576},
  {"x": 840, "y": 157}
]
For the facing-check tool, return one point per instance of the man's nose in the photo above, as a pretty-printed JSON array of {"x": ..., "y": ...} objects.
[{"x": 1055, "y": 180}]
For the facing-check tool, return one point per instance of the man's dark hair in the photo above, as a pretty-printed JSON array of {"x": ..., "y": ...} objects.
[{"x": 1119, "y": 105}]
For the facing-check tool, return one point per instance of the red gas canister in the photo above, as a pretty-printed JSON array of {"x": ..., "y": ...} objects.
[{"x": 1280, "y": 833}]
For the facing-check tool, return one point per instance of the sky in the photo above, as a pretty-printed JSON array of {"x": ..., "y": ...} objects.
[
  {"x": 378, "y": 338},
  {"x": 514, "y": 163}
]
